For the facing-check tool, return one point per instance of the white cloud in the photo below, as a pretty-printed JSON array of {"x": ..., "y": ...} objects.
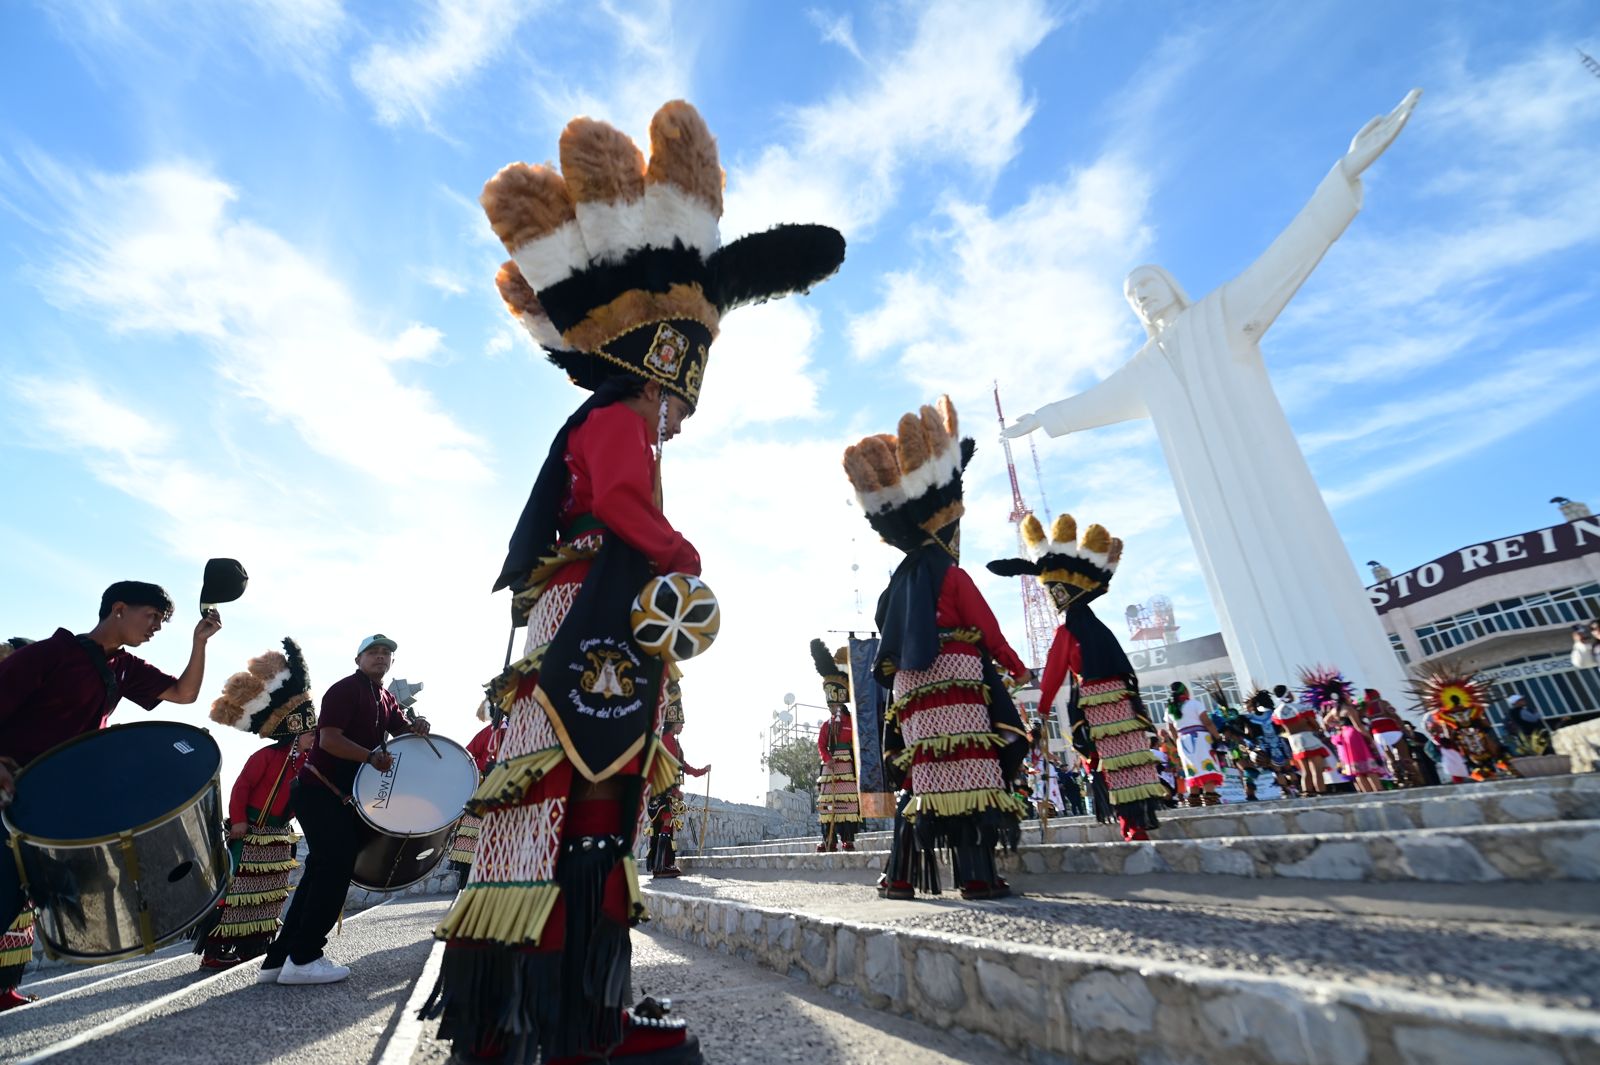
[
  {"x": 760, "y": 368},
  {"x": 301, "y": 36},
  {"x": 953, "y": 94},
  {"x": 836, "y": 29},
  {"x": 406, "y": 80},
  {"x": 163, "y": 250}
]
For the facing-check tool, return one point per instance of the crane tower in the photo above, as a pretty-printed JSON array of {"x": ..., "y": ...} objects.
[{"x": 1036, "y": 612}]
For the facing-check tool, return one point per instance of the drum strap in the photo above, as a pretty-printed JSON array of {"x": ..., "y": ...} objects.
[{"x": 97, "y": 655}]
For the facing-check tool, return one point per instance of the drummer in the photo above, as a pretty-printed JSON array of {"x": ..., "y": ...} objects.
[
  {"x": 66, "y": 685},
  {"x": 356, "y": 715}
]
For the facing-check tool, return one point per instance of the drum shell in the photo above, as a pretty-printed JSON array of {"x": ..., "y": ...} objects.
[
  {"x": 125, "y": 895},
  {"x": 399, "y": 849},
  {"x": 391, "y": 863}
]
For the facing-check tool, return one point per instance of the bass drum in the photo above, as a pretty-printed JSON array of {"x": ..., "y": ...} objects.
[
  {"x": 119, "y": 838},
  {"x": 411, "y": 812}
]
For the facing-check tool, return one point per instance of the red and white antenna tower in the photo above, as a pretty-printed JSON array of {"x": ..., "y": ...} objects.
[{"x": 1036, "y": 613}]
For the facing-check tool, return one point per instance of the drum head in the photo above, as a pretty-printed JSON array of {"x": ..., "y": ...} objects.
[
  {"x": 422, "y": 792},
  {"x": 113, "y": 780}
]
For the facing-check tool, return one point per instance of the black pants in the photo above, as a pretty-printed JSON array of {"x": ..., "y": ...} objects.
[
  {"x": 332, "y": 835},
  {"x": 13, "y": 897}
]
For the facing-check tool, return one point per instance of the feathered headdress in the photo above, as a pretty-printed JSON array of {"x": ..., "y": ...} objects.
[
  {"x": 617, "y": 264},
  {"x": 1452, "y": 689},
  {"x": 1323, "y": 686},
  {"x": 909, "y": 485},
  {"x": 272, "y": 698},
  {"x": 830, "y": 667},
  {"x": 1084, "y": 566}
]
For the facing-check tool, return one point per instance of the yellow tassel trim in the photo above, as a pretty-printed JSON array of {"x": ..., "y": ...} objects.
[
  {"x": 249, "y": 928},
  {"x": 636, "y": 906},
  {"x": 585, "y": 546},
  {"x": 1117, "y": 728},
  {"x": 1137, "y": 792},
  {"x": 508, "y": 782},
  {"x": 461, "y": 856},
  {"x": 1123, "y": 761},
  {"x": 1103, "y": 698},
  {"x": 948, "y": 742},
  {"x": 661, "y": 769},
  {"x": 513, "y": 914},
  {"x": 977, "y": 687},
  {"x": 255, "y": 898},
  {"x": 959, "y": 803},
  {"x": 844, "y": 778},
  {"x": 23, "y": 922},
  {"x": 257, "y": 868},
  {"x": 16, "y": 956}
]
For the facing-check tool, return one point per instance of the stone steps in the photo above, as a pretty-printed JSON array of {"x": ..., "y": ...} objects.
[
  {"x": 1383, "y": 812},
  {"x": 1047, "y": 980},
  {"x": 1174, "y": 821}
]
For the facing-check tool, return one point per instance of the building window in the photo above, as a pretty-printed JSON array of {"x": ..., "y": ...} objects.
[
  {"x": 1565, "y": 606},
  {"x": 1562, "y": 695},
  {"x": 1399, "y": 648}
]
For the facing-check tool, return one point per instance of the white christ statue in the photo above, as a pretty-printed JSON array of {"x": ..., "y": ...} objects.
[{"x": 1285, "y": 589}]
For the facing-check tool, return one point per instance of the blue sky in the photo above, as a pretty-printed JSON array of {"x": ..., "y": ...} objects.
[{"x": 250, "y": 311}]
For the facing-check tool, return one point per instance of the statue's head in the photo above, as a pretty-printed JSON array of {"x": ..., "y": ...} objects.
[{"x": 1155, "y": 296}]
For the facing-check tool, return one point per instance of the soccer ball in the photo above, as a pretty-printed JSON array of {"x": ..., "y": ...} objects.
[{"x": 675, "y": 617}]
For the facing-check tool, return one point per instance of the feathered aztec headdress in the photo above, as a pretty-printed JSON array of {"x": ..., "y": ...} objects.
[
  {"x": 617, "y": 265},
  {"x": 835, "y": 681},
  {"x": 1451, "y": 688},
  {"x": 1085, "y": 566},
  {"x": 910, "y": 485},
  {"x": 272, "y": 698},
  {"x": 1322, "y": 686}
]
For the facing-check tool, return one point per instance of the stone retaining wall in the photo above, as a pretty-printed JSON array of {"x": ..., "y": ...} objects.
[
  {"x": 1579, "y": 742},
  {"x": 1055, "y": 1006}
]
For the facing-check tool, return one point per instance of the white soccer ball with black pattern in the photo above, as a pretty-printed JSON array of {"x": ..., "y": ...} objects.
[{"x": 675, "y": 617}]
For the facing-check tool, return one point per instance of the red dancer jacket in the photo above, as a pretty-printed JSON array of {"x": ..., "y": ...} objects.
[
  {"x": 961, "y": 605},
  {"x": 485, "y": 746},
  {"x": 838, "y": 733},
  {"x": 613, "y": 478},
  {"x": 1066, "y": 656},
  {"x": 255, "y": 782},
  {"x": 670, "y": 742}
]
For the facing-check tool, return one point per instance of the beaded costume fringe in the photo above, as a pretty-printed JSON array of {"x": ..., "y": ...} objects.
[
  {"x": 1125, "y": 761},
  {"x": 1117, "y": 728},
  {"x": 1137, "y": 792},
  {"x": 962, "y": 803},
  {"x": 510, "y": 913}
]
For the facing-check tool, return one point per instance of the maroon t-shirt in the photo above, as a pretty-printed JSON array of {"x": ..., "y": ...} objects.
[
  {"x": 364, "y": 712},
  {"x": 53, "y": 691}
]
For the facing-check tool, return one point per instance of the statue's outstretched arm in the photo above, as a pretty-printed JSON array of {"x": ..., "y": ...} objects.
[
  {"x": 1116, "y": 399},
  {"x": 1255, "y": 298}
]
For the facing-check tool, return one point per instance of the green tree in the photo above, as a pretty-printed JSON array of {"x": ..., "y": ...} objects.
[{"x": 798, "y": 761}]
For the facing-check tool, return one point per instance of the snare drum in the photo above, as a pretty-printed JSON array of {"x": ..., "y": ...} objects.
[
  {"x": 411, "y": 812},
  {"x": 119, "y": 838}
]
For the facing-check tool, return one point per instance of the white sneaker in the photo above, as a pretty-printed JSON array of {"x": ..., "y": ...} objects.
[
  {"x": 321, "y": 971},
  {"x": 268, "y": 976}
]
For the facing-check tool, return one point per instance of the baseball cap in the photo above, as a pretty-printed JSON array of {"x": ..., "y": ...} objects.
[{"x": 378, "y": 639}]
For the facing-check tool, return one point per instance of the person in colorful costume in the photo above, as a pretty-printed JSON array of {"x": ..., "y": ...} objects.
[
  {"x": 1458, "y": 722},
  {"x": 1345, "y": 727},
  {"x": 1110, "y": 728},
  {"x": 16, "y": 945},
  {"x": 952, "y": 734},
  {"x": 666, "y": 809},
  {"x": 1388, "y": 732},
  {"x": 617, "y": 272},
  {"x": 1195, "y": 734},
  {"x": 838, "y": 798},
  {"x": 271, "y": 698},
  {"x": 1306, "y": 749},
  {"x": 485, "y": 750}
]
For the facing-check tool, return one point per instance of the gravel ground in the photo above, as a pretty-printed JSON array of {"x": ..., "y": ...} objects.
[{"x": 1541, "y": 965}]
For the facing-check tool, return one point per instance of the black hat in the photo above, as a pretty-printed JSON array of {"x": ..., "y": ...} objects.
[
  {"x": 224, "y": 582},
  {"x": 835, "y": 681},
  {"x": 271, "y": 698}
]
